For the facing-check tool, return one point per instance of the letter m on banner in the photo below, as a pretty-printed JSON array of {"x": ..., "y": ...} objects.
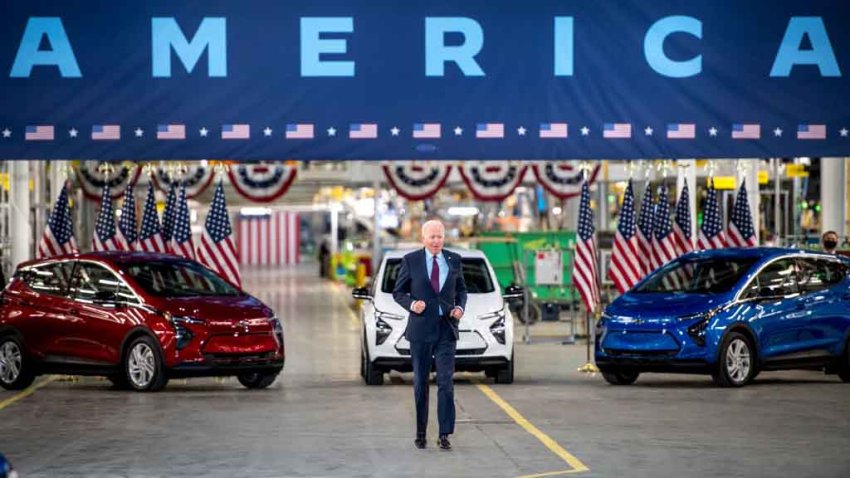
[{"x": 270, "y": 239}]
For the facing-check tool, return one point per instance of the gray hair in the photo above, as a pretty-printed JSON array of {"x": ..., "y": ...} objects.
[{"x": 432, "y": 222}]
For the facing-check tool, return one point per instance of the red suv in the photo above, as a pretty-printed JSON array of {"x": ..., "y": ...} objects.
[{"x": 136, "y": 318}]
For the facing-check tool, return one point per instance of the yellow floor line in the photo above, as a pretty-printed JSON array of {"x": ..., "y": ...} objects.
[
  {"x": 554, "y": 473},
  {"x": 27, "y": 392},
  {"x": 552, "y": 445}
]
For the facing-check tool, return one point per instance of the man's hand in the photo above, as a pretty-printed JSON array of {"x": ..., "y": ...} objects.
[
  {"x": 457, "y": 313},
  {"x": 418, "y": 306}
]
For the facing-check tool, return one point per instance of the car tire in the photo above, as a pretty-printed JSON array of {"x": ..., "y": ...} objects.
[
  {"x": 16, "y": 369},
  {"x": 505, "y": 375},
  {"x": 373, "y": 375},
  {"x": 844, "y": 366},
  {"x": 620, "y": 377},
  {"x": 257, "y": 380},
  {"x": 736, "y": 364},
  {"x": 143, "y": 366}
]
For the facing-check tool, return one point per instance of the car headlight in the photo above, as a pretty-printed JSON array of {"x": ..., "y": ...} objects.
[
  {"x": 497, "y": 328},
  {"x": 499, "y": 314},
  {"x": 385, "y": 315},
  {"x": 601, "y": 324},
  {"x": 382, "y": 331},
  {"x": 699, "y": 326},
  {"x": 277, "y": 329},
  {"x": 182, "y": 334}
]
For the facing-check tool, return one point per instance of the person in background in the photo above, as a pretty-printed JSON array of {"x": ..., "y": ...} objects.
[{"x": 829, "y": 240}]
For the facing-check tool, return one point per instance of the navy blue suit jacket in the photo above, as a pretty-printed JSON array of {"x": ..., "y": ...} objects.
[{"x": 413, "y": 283}]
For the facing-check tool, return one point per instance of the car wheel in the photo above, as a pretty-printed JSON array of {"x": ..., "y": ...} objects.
[
  {"x": 844, "y": 367},
  {"x": 620, "y": 377},
  {"x": 143, "y": 367},
  {"x": 257, "y": 380},
  {"x": 506, "y": 374},
  {"x": 736, "y": 362},
  {"x": 15, "y": 368},
  {"x": 373, "y": 375}
]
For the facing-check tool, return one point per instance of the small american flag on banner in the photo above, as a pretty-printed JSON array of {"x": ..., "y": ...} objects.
[
  {"x": 181, "y": 236},
  {"x": 363, "y": 131},
  {"x": 235, "y": 131},
  {"x": 644, "y": 231},
  {"x": 106, "y": 132},
  {"x": 617, "y": 130},
  {"x": 39, "y": 133},
  {"x": 711, "y": 233},
  {"x": 299, "y": 131},
  {"x": 58, "y": 238},
  {"x": 426, "y": 130},
  {"x": 626, "y": 269},
  {"x": 811, "y": 131},
  {"x": 746, "y": 131},
  {"x": 741, "y": 232},
  {"x": 105, "y": 237},
  {"x": 171, "y": 131},
  {"x": 585, "y": 272},
  {"x": 553, "y": 130},
  {"x": 270, "y": 239},
  {"x": 127, "y": 233},
  {"x": 682, "y": 224},
  {"x": 217, "y": 250},
  {"x": 490, "y": 130},
  {"x": 681, "y": 131},
  {"x": 150, "y": 235}
]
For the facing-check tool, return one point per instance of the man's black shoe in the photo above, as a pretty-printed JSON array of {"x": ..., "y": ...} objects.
[
  {"x": 420, "y": 441},
  {"x": 444, "y": 442}
]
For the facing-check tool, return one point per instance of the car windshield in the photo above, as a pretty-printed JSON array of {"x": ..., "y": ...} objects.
[
  {"x": 178, "y": 279},
  {"x": 475, "y": 275},
  {"x": 697, "y": 276}
]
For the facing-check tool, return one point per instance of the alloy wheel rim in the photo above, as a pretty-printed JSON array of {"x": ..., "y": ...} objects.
[
  {"x": 10, "y": 362},
  {"x": 141, "y": 365},
  {"x": 738, "y": 360}
]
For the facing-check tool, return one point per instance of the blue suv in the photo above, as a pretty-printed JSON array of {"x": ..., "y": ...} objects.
[{"x": 731, "y": 313}]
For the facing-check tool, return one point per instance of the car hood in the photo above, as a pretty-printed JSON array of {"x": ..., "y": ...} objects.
[
  {"x": 650, "y": 306},
  {"x": 217, "y": 308}
]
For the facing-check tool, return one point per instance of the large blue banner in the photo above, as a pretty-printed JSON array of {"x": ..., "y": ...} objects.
[{"x": 437, "y": 79}]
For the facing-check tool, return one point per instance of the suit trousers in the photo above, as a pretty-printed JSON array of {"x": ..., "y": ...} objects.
[{"x": 442, "y": 354}]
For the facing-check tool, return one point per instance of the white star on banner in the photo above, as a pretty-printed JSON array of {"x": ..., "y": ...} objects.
[
  {"x": 585, "y": 131},
  {"x": 843, "y": 132},
  {"x": 139, "y": 132},
  {"x": 7, "y": 133},
  {"x": 394, "y": 131},
  {"x": 331, "y": 131},
  {"x": 204, "y": 131},
  {"x": 458, "y": 131},
  {"x": 777, "y": 132},
  {"x": 647, "y": 131},
  {"x": 72, "y": 132},
  {"x": 521, "y": 131},
  {"x": 267, "y": 131},
  {"x": 712, "y": 131}
]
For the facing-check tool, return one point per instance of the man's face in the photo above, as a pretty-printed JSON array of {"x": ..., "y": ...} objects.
[
  {"x": 433, "y": 237},
  {"x": 830, "y": 238}
]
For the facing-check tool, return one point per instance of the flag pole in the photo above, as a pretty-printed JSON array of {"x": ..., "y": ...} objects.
[{"x": 589, "y": 367}]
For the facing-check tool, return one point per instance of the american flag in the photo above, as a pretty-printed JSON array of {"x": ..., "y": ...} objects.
[
  {"x": 181, "y": 236},
  {"x": 811, "y": 131},
  {"x": 490, "y": 130},
  {"x": 217, "y": 250},
  {"x": 171, "y": 131},
  {"x": 105, "y": 237},
  {"x": 711, "y": 233},
  {"x": 553, "y": 130},
  {"x": 363, "y": 131},
  {"x": 299, "y": 131},
  {"x": 426, "y": 130},
  {"x": 617, "y": 130},
  {"x": 58, "y": 238},
  {"x": 39, "y": 133},
  {"x": 644, "y": 231},
  {"x": 269, "y": 239},
  {"x": 235, "y": 131},
  {"x": 746, "y": 131},
  {"x": 626, "y": 269},
  {"x": 127, "y": 234},
  {"x": 150, "y": 236},
  {"x": 741, "y": 232},
  {"x": 681, "y": 131},
  {"x": 168, "y": 216},
  {"x": 663, "y": 242},
  {"x": 107, "y": 132},
  {"x": 682, "y": 225},
  {"x": 585, "y": 272}
]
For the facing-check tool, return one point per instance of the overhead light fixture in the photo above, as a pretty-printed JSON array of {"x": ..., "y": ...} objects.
[{"x": 463, "y": 211}]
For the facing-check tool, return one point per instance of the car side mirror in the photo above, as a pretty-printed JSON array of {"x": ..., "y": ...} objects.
[
  {"x": 513, "y": 293},
  {"x": 361, "y": 293}
]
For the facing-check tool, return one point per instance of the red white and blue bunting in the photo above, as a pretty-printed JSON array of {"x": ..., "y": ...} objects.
[
  {"x": 562, "y": 178},
  {"x": 263, "y": 181},
  {"x": 492, "y": 180},
  {"x": 93, "y": 177},
  {"x": 196, "y": 178},
  {"x": 417, "y": 180}
]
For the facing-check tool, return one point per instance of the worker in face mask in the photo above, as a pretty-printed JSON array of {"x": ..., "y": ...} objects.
[{"x": 829, "y": 241}]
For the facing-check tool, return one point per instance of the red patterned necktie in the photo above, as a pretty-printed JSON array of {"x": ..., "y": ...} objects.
[{"x": 435, "y": 275}]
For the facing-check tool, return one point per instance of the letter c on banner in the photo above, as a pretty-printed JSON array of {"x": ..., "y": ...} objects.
[{"x": 653, "y": 46}]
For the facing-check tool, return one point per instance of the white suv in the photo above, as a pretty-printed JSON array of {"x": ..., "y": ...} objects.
[{"x": 486, "y": 329}]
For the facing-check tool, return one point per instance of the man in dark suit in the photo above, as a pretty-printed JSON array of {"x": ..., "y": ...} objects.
[{"x": 430, "y": 285}]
